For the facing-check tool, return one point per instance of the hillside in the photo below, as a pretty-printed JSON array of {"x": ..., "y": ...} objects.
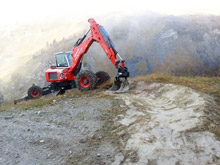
[
  {"x": 153, "y": 123},
  {"x": 177, "y": 45},
  {"x": 19, "y": 43}
]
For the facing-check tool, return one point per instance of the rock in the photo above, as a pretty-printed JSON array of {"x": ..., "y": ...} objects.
[
  {"x": 8, "y": 117},
  {"x": 82, "y": 140},
  {"x": 21, "y": 115},
  {"x": 54, "y": 101},
  {"x": 98, "y": 155},
  {"x": 41, "y": 141},
  {"x": 122, "y": 106},
  {"x": 120, "y": 116},
  {"x": 49, "y": 155},
  {"x": 17, "y": 155}
]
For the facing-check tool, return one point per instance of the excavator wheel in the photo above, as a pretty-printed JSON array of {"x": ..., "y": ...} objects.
[
  {"x": 35, "y": 92},
  {"x": 86, "y": 80},
  {"x": 102, "y": 77}
]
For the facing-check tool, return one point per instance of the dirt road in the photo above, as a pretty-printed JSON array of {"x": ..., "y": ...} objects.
[{"x": 151, "y": 124}]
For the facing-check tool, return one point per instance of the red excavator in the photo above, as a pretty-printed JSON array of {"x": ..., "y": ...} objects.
[{"x": 67, "y": 73}]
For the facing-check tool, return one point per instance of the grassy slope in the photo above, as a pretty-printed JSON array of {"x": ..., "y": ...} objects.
[
  {"x": 209, "y": 85},
  {"x": 75, "y": 93}
]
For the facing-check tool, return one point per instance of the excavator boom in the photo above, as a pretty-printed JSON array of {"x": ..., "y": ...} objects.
[{"x": 99, "y": 35}]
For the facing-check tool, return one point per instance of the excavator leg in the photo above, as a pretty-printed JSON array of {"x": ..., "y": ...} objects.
[{"x": 120, "y": 85}]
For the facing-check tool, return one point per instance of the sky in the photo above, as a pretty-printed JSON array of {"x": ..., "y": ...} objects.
[{"x": 24, "y": 11}]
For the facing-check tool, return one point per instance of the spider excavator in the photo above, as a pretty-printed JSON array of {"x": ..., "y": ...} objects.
[{"x": 67, "y": 74}]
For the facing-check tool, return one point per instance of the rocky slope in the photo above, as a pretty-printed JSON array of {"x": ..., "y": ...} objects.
[{"x": 152, "y": 124}]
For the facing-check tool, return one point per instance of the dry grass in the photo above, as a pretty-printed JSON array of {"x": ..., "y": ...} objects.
[
  {"x": 74, "y": 93},
  {"x": 216, "y": 132},
  {"x": 209, "y": 85},
  {"x": 31, "y": 103}
]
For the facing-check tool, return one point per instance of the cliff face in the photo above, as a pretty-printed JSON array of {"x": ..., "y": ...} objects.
[
  {"x": 184, "y": 45},
  {"x": 178, "y": 45}
]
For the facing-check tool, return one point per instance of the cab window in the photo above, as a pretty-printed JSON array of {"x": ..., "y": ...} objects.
[
  {"x": 61, "y": 60},
  {"x": 69, "y": 58}
]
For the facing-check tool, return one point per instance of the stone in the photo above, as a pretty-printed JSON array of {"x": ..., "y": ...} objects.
[
  {"x": 41, "y": 141},
  {"x": 82, "y": 140},
  {"x": 17, "y": 155},
  {"x": 21, "y": 115},
  {"x": 8, "y": 117},
  {"x": 120, "y": 116},
  {"x": 122, "y": 106}
]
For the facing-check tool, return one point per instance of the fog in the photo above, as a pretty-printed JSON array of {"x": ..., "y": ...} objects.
[{"x": 25, "y": 11}]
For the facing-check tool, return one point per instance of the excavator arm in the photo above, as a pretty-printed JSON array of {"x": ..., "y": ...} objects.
[{"x": 99, "y": 35}]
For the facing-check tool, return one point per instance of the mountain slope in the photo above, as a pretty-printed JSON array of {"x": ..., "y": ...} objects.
[
  {"x": 183, "y": 45},
  {"x": 153, "y": 123}
]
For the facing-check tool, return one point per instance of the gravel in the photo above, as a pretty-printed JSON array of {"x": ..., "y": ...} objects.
[{"x": 55, "y": 134}]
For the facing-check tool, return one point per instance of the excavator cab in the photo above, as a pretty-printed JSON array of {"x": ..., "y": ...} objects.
[{"x": 63, "y": 59}]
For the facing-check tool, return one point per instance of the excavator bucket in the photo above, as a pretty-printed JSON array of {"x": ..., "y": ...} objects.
[{"x": 120, "y": 86}]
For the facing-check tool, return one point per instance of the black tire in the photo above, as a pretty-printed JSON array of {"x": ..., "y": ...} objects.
[
  {"x": 102, "y": 77},
  {"x": 35, "y": 92},
  {"x": 86, "y": 80}
]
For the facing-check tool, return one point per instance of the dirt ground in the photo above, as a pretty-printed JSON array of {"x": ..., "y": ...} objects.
[
  {"x": 68, "y": 132},
  {"x": 169, "y": 124},
  {"x": 152, "y": 124}
]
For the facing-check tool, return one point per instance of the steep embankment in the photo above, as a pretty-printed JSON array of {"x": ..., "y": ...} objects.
[
  {"x": 168, "y": 124},
  {"x": 153, "y": 123}
]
